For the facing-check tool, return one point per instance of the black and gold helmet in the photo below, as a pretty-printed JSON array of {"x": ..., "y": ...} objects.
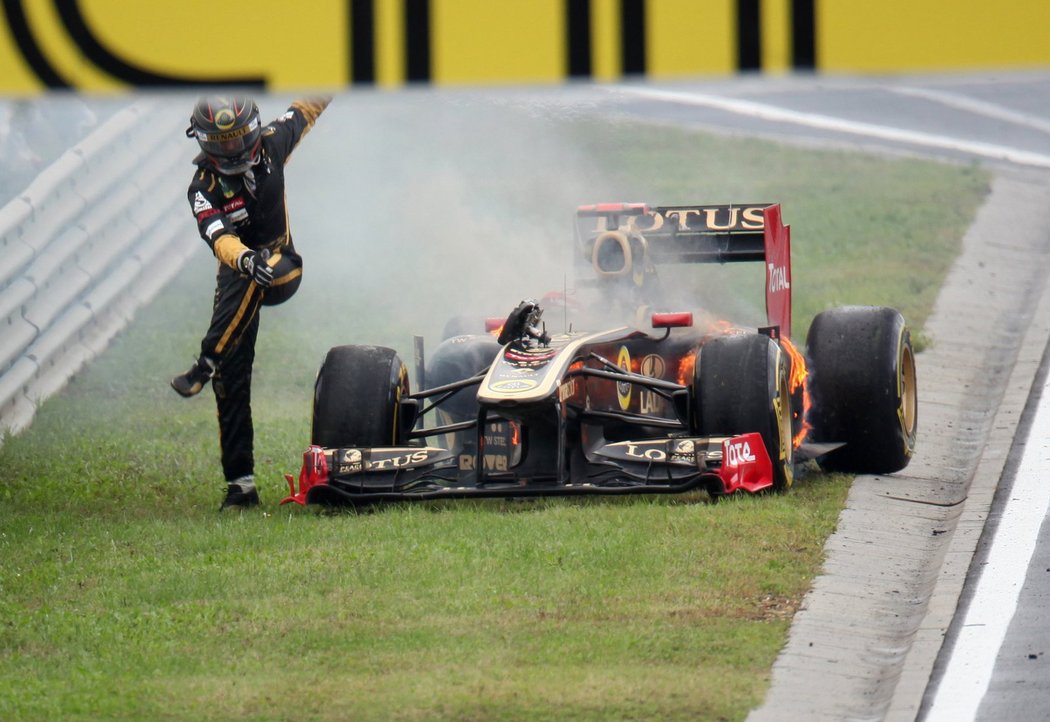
[{"x": 228, "y": 131}]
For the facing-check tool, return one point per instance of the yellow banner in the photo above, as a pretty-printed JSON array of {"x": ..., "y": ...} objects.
[{"x": 106, "y": 46}]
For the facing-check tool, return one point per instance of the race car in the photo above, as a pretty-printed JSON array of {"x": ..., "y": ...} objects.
[{"x": 689, "y": 402}]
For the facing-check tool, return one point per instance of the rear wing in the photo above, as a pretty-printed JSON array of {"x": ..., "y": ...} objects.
[{"x": 633, "y": 233}]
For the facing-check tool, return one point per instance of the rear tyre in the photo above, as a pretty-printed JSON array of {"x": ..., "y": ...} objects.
[
  {"x": 863, "y": 389},
  {"x": 741, "y": 386},
  {"x": 357, "y": 397}
]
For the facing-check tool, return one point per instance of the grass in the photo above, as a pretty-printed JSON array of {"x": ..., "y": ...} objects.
[
  {"x": 538, "y": 610},
  {"x": 123, "y": 595}
]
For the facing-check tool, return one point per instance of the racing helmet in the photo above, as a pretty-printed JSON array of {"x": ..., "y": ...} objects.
[{"x": 228, "y": 131}]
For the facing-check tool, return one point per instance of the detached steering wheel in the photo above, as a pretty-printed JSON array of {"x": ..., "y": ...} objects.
[{"x": 523, "y": 323}]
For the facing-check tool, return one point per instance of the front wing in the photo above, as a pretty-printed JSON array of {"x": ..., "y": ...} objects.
[{"x": 719, "y": 465}]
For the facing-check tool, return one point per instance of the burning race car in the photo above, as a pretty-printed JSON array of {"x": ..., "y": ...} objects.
[{"x": 692, "y": 403}]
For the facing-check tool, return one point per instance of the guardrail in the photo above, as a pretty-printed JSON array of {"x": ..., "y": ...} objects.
[{"x": 81, "y": 250}]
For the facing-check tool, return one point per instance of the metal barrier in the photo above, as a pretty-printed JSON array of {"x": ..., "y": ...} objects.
[{"x": 81, "y": 249}]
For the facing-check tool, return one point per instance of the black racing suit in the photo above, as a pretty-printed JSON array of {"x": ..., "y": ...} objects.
[{"x": 234, "y": 212}]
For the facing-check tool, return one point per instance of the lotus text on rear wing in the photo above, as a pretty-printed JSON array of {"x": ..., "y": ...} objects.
[{"x": 715, "y": 219}]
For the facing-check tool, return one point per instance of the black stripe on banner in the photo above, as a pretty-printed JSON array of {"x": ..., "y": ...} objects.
[
  {"x": 16, "y": 21},
  {"x": 632, "y": 30},
  {"x": 578, "y": 37},
  {"x": 804, "y": 34},
  {"x": 749, "y": 35},
  {"x": 417, "y": 41},
  {"x": 362, "y": 41},
  {"x": 93, "y": 50}
]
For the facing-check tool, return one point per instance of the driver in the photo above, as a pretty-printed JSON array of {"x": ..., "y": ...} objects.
[{"x": 237, "y": 196}]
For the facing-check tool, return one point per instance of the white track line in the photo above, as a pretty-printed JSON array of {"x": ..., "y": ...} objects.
[
  {"x": 978, "y": 107},
  {"x": 969, "y": 670},
  {"x": 774, "y": 114}
]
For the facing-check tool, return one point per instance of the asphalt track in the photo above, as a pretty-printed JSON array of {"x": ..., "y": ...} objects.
[{"x": 877, "y": 636}]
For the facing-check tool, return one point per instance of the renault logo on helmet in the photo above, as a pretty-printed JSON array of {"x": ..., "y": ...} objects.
[
  {"x": 228, "y": 135},
  {"x": 225, "y": 118}
]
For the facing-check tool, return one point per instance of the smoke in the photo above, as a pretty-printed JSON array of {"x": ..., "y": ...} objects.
[{"x": 416, "y": 208}]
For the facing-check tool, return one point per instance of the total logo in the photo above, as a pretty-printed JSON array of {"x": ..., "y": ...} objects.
[
  {"x": 778, "y": 278},
  {"x": 738, "y": 453}
]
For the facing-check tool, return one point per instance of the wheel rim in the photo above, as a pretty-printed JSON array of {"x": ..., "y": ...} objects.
[
  {"x": 785, "y": 433},
  {"x": 400, "y": 389},
  {"x": 909, "y": 409}
]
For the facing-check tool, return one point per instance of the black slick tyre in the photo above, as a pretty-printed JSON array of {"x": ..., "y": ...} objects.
[
  {"x": 863, "y": 390},
  {"x": 456, "y": 359},
  {"x": 741, "y": 386},
  {"x": 357, "y": 397}
]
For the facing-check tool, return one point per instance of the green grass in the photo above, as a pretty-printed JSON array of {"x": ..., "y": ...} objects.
[
  {"x": 124, "y": 595},
  {"x": 665, "y": 609}
]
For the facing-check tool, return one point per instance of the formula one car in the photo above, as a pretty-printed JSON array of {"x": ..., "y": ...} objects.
[{"x": 693, "y": 403}]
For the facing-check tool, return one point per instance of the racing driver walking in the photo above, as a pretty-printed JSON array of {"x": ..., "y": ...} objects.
[{"x": 237, "y": 196}]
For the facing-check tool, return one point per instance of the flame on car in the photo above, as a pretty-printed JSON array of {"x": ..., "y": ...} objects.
[
  {"x": 685, "y": 369},
  {"x": 494, "y": 326},
  {"x": 796, "y": 381}
]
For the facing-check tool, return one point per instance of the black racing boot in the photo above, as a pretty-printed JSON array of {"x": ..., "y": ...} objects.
[
  {"x": 190, "y": 383},
  {"x": 240, "y": 494}
]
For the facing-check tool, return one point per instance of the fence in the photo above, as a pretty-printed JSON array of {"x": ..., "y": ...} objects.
[{"x": 96, "y": 235}]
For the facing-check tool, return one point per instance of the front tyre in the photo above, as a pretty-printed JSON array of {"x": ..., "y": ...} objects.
[
  {"x": 741, "y": 386},
  {"x": 357, "y": 398},
  {"x": 863, "y": 389}
]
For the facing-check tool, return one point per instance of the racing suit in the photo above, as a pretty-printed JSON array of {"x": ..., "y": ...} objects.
[{"x": 234, "y": 212}]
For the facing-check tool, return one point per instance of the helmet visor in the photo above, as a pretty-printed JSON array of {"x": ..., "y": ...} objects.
[{"x": 234, "y": 150}]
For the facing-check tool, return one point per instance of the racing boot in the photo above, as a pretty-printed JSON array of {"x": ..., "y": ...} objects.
[
  {"x": 190, "y": 383},
  {"x": 240, "y": 494}
]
